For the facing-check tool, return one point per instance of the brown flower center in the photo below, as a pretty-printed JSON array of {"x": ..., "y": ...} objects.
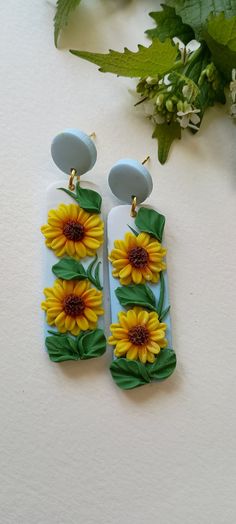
[
  {"x": 73, "y": 305},
  {"x": 138, "y": 257},
  {"x": 73, "y": 230},
  {"x": 139, "y": 335}
]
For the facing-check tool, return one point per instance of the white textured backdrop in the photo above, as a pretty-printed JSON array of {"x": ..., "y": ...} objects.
[{"x": 74, "y": 448}]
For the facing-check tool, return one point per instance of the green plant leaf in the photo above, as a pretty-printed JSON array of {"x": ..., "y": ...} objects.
[
  {"x": 136, "y": 295},
  {"x": 169, "y": 25},
  {"x": 162, "y": 294},
  {"x": 129, "y": 374},
  {"x": 61, "y": 348},
  {"x": 69, "y": 269},
  {"x": 63, "y": 10},
  {"x": 196, "y": 12},
  {"x": 207, "y": 95},
  {"x": 150, "y": 221},
  {"x": 92, "y": 344},
  {"x": 147, "y": 61},
  {"x": 88, "y": 199},
  {"x": 166, "y": 134},
  {"x": 163, "y": 366},
  {"x": 220, "y": 36}
]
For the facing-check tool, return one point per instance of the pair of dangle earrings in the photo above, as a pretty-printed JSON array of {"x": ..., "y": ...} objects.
[{"x": 140, "y": 331}]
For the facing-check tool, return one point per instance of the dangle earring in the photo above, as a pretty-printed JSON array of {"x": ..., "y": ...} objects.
[
  {"x": 140, "y": 329},
  {"x": 73, "y": 235}
]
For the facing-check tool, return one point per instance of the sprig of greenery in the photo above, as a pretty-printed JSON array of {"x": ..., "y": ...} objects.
[{"x": 179, "y": 78}]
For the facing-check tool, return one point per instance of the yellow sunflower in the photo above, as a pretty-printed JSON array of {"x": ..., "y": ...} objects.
[
  {"x": 72, "y": 305},
  {"x": 72, "y": 231},
  {"x": 139, "y": 335},
  {"x": 137, "y": 258}
]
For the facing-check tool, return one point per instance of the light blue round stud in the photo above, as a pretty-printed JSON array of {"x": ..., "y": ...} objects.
[
  {"x": 73, "y": 149},
  {"x": 129, "y": 178}
]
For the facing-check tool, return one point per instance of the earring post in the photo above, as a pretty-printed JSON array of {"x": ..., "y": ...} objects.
[
  {"x": 145, "y": 160},
  {"x": 133, "y": 211}
]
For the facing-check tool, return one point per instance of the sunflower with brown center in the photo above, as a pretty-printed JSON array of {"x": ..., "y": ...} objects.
[
  {"x": 137, "y": 259},
  {"x": 139, "y": 335},
  {"x": 72, "y": 231},
  {"x": 72, "y": 305}
]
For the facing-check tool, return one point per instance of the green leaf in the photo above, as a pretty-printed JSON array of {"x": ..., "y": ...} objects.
[
  {"x": 61, "y": 348},
  {"x": 129, "y": 374},
  {"x": 88, "y": 199},
  {"x": 94, "y": 278},
  {"x": 164, "y": 314},
  {"x": 133, "y": 230},
  {"x": 92, "y": 344},
  {"x": 68, "y": 192},
  {"x": 220, "y": 36},
  {"x": 166, "y": 133},
  {"x": 169, "y": 25},
  {"x": 162, "y": 294},
  {"x": 63, "y": 10},
  {"x": 147, "y": 61},
  {"x": 136, "y": 295},
  {"x": 163, "y": 366},
  {"x": 196, "y": 12},
  {"x": 150, "y": 221},
  {"x": 69, "y": 269},
  {"x": 207, "y": 95}
]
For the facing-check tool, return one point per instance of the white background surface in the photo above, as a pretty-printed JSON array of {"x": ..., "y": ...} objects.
[{"x": 74, "y": 448}]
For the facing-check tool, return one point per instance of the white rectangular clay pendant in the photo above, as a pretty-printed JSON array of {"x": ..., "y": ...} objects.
[
  {"x": 74, "y": 233},
  {"x": 140, "y": 329}
]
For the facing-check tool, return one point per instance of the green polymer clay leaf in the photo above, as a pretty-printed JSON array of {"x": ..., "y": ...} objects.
[
  {"x": 150, "y": 221},
  {"x": 163, "y": 366},
  {"x": 220, "y": 36},
  {"x": 164, "y": 314},
  {"x": 68, "y": 269},
  {"x": 136, "y": 295},
  {"x": 162, "y": 294},
  {"x": 61, "y": 348},
  {"x": 129, "y": 374},
  {"x": 92, "y": 344},
  {"x": 196, "y": 12},
  {"x": 166, "y": 134},
  {"x": 63, "y": 10},
  {"x": 88, "y": 199},
  {"x": 147, "y": 61},
  {"x": 93, "y": 273},
  {"x": 68, "y": 192},
  {"x": 169, "y": 25}
]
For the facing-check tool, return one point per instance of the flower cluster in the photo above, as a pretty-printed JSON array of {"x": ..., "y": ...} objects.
[{"x": 174, "y": 97}]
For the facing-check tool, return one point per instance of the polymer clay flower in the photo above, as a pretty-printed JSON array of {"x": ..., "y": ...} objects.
[
  {"x": 137, "y": 259},
  {"x": 72, "y": 231},
  {"x": 72, "y": 305},
  {"x": 139, "y": 335}
]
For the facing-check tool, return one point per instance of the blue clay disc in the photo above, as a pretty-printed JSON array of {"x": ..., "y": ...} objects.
[
  {"x": 129, "y": 178},
  {"x": 73, "y": 149}
]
